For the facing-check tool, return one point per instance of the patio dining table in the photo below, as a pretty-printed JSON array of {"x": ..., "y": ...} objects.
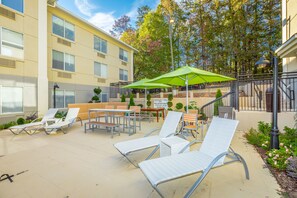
[
  {"x": 112, "y": 112},
  {"x": 157, "y": 110}
]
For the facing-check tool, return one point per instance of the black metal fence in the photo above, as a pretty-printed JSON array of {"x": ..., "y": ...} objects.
[{"x": 255, "y": 92}]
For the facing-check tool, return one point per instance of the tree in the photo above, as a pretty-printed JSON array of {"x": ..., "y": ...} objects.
[
  {"x": 142, "y": 11},
  {"x": 218, "y": 103},
  {"x": 121, "y": 25}
]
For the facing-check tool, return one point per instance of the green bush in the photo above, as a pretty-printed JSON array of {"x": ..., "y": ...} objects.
[
  {"x": 21, "y": 121},
  {"x": 60, "y": 114},
  {"x": 131, "y": 103},
  {"x": 170, "y": 97},
  {"x": 259, "y": 139},
  {"x": 264, "y": 127},
  {"x": 9, "y": 124},
  {"x": 169, "y": 103},
  {"x": 148, "y": 98},
  {"x": 179, "y": 106},
  {"x": 218, "y": 103},
  {"x": 279, "y": 158},
  {"x": 123, "y": 98},
  {"x": 189, "y": 107},
  {"x": 141, "y": 105},
  {"x": 95, "y": 98}
]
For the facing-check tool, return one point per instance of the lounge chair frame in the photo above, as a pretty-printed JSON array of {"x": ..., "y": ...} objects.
[
  {"x": 231, "y": 154},
  {"x": 215, "y": 160},
  {"x": 157, "y": 146}
]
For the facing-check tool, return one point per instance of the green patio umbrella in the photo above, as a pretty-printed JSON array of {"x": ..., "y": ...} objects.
[
  {"x": 144, "y": 84},
  {"x": 187, "y": 75}
]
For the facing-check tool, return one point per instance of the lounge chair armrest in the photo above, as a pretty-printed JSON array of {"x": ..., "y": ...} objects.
[
  {"x": 35, "y": 120},
  {"x": 188, "y": 145},
  {"x": 149, "y": 133},
  {"x": 171, "y": 134}
]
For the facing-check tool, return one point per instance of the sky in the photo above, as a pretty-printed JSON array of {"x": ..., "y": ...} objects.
[{"x": 103, "y": 13}]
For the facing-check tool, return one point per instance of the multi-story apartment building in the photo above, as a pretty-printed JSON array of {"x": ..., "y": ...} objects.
[
  {"x": 43, "y": 44},
  {"x": 288, "y": 50}
]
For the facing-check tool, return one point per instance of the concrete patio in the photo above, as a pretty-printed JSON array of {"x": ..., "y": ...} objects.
[{"x": 87, "y": 165}]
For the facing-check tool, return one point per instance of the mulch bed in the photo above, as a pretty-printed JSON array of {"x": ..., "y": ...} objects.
[{"x": 288, "y": 184}]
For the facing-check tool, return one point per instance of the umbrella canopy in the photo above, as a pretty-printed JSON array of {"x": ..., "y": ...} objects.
[
  {"x": 144, "y": 84},
  {"x": 187, "y": 75}
]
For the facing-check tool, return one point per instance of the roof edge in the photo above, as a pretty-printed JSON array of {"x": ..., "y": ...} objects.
[{"x": 93, "y": 26}]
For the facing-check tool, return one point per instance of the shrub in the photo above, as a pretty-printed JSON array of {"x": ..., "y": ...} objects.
[
  {"x": 292, "y": 167},
  {"x": 131, "y": 103},
  {"x": 60, "y": 114},
  {"x": 218, "y": 103},
  {"x": 169, "y": 103},
  {"x": 264, "y": 127},
  {"x": 9, "y": 124},
  {"x": 123, "y": 98},
  {"x": 97, "y": 92},
  {"x": 170, "y": 97},
  {"x": 259, "y": 139},
  {"x": 279, "y": 158},
  {"x": 21, "y": 121},
  {"x": 95, "y": 98},
  {"x": 189, "y": 107},
  {"x": 141, "y": 105},
  {"x": 148, "y": 98},
  {"x": 179, "y": 106}
]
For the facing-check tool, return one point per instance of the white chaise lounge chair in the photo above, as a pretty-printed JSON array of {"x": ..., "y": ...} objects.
[
  {"x": 169, "y": 127},
  {"x": 32, "y": 127},
  {"x": 68, "y": 121},
  {"x": 214, "y": 149}
]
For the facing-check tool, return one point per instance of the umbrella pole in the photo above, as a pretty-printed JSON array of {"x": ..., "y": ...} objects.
[
  {"x": 144, "y": 97},
  {"x": 187, "y": 93}
]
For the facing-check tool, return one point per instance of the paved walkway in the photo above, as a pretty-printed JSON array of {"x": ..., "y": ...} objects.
[{"x": 87, "y": 165}]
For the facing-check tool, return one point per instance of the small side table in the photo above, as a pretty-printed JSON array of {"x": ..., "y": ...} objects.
[{"x": 172, "y": 145}]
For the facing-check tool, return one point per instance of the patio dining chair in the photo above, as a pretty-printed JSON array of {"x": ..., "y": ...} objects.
[
  {"x": 169, "y": 128},
  {"x": 137, "y": 117},
  {"x": 69, "y": 120},
  {"x": 212, "y": 153},
  {"x": 190, "y": 123},
  {"x": 34, "y": 126}
]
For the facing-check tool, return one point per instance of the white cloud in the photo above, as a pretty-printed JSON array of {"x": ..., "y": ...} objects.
[
  {"x": 85, "y": 7},
  {"x": 102, "y": 20}
]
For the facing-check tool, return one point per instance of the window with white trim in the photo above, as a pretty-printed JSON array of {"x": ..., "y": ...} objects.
[
  {"x": 11, "y": 99},
  {"x": 100, "y": 69},
  {"x": 123, "y": 75},
  {"x": 64, "y": 97},
  {"x": 12, "y": 43},
  {"x": 63, "y": 61},
  {"x": 63, "y": 28},
  {"x": 17, "y": 5},
  {"x": 100, "y": 44},
  {"x": 123, "y": 55}
]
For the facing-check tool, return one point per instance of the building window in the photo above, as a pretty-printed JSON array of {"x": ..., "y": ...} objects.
[
  {"x": 17, "y": 5},
  {"x": 100, "y": 70},
  {"x": 63, "y": 28},
  {"x": 123, "y": 75},
  {"x": 63, "y": 61},
  {"x": 12, "y": 43},
  {"x": 63, "y": 98},
  {"x": 100, "y": 44},
  {"x": 11, "y": 99},
  {"x": 123, "y": 55},
  {"x": 104, "y": 97}
]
